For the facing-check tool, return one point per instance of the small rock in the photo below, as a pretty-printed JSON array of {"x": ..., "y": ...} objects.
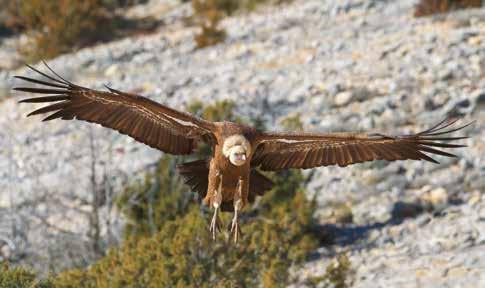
[
  {"x": 481, "y": 214},
  {"x": 5, "y": 252},
  {"x": 476, "y": 40},
  {"x": 456, "y": 272},
  {"x": 475, "y": 198},
  {"x": 343, "y": 98},
  {"x": 111, "y": 70},
  {"x": 4, "y": 92},
  {"x": 342, "y": 213},
  {"x": 9, "y": 63},
  {"x": 436, "y": 198},
  {"x": 334, "y": 88},
  {"x": 402, "y": 210},
  {"x": 445, "y": 74}
]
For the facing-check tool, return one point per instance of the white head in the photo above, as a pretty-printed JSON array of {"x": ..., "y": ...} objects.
[{"x": 237, "y": 149}]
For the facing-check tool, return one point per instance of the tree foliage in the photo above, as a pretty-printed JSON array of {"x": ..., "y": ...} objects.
[
  {"x": 57, "y": 27},
  {"x": 207, "y": 16},
  {"x": 21, "y": 278},
  {"x": 277, "y": 235},
  {"x": 338, "y": 274}
]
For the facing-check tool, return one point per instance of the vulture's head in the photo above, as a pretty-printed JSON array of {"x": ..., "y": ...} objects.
[{"x": 237, "y": 149}]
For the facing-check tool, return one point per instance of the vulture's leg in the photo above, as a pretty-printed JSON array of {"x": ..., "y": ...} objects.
[
  {"x": 216, "y": 202},
  {"x": 235, "y": 230}
]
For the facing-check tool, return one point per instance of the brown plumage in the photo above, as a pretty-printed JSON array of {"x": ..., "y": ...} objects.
[
  {"x": 228, "y": 180},
  {"x": 196, "y": 175}
]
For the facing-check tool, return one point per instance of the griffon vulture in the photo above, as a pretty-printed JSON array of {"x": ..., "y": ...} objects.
[{"x": 228, "y": 180}]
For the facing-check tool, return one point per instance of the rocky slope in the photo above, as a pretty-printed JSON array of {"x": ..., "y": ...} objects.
[{"x": 351, "y": 65}]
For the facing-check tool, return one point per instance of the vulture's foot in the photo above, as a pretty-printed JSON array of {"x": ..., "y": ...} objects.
[
  {"x": 215, "y": 224},
  {"x": 216, "y": 221},
  {"x": 235, "y": 229}
]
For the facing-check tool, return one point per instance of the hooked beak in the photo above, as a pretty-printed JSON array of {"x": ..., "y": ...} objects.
[
  {"x": 238, "y": 159},
  {"x": 241, "y": 157}
]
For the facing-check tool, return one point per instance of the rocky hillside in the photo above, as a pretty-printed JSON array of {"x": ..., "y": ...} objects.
[{"x": 341, "y": 66}]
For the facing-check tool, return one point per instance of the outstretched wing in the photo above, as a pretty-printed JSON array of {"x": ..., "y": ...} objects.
[
  {"x": 146, "y": 121},
  {"x": 277, "y": 151}
]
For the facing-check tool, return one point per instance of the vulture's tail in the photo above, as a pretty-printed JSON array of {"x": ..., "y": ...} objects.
[{"x": 196, "y": 173}]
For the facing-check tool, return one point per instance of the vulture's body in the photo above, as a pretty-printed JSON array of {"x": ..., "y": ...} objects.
[{"x": 229, "y": 179}]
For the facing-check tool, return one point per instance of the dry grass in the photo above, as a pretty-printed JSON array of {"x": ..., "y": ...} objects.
[
  {"x": 430, "y": 7},
  {"x": 207, "y": 16},
  {"x": 209, "y": 13},
  {"x": 57, "y": 27},
  {"x": 338, "y": 274},
  {"x": 62, "y": 26}
]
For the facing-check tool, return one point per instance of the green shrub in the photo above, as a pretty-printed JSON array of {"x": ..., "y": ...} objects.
[
  {"x": 21, "y": 278},
  {"x": 208, "y": 14},
  {"x": 338, "y": 274},
  {"x": 429, "y": 7},
  {"x": 292, "y": 123},
  {"x": 160, "y": 197},
  {"x": 342, "y": 213},
  {"x": 57, "y": 27},
  {"x": 250, "y": 5},
  {"x": 60, "y": 26},
  {"x": 182, "y": 254},
  {"x": 219, "y": 111},
  {"x": 8, "y": 15}
]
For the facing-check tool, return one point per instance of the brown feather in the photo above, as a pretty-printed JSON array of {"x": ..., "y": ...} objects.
[
  {"x": 319, "y": 156},
  {"x": 366, "y": 153},
  {"x": 45, "y": 99},
  {"x": 347, "y": 148},
  {"x": 326, "y": 157},
  {"x": 347, "y": 156},
  {"x": 36, "y": 81},
  {"x": 356, "y": 157},
  {"x": 39, "y": 90},
  {"x": 436, "y": 151},
  {"x": 387, "y": 152},
  {"x": 332, "y": 156},
  {"x": 136, "y": 116},
  {"x": 410, "y": 151},
  {"x": 50, "y": 108}
]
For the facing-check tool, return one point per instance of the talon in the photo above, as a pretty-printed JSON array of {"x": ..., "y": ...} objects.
[
  {"x": 215, "y": 224},
  {"x": 235, "y": 230}
]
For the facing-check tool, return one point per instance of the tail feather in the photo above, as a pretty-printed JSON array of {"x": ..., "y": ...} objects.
[{"x": 196, "y": 174}]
